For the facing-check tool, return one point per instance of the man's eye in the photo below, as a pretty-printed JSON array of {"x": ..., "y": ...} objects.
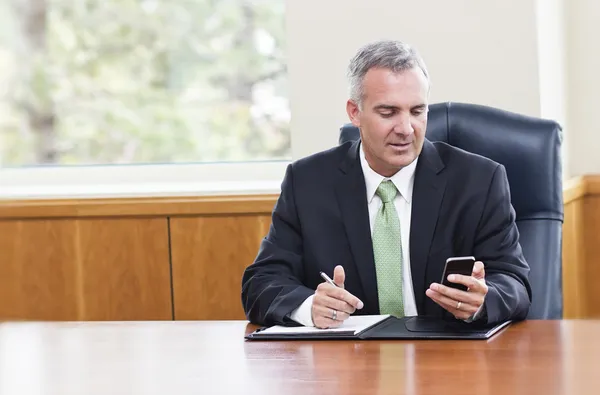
[
  {"x": 386, "y": 114},
  {"x": 417, "y": 112}
]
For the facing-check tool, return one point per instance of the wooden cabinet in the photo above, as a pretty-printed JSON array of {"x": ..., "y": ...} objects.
[
  {"x": 85, "y": 269},
  {"x": 209, "y": 255},
  {"x": 128, "y": 259},
  {"x": 581, "y": 248}
]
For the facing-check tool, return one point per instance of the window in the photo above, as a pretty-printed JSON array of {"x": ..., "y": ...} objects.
[{"x": 94, "y": 82}]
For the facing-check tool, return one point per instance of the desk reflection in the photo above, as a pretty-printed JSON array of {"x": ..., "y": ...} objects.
[
  {"x": 422, "y": 367},
  {"x": 212, "y": 357}
]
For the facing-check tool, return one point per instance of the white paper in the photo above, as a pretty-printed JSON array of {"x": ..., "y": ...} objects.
[{"x": 355, "y": 324}]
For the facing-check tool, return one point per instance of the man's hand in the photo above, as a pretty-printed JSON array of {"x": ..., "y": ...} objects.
[
  {"x": 333, "y": 302},
  {"x": 461, "y": 304}
]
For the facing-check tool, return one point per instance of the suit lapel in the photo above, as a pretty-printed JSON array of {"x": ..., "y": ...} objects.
[
  {"x": 428, "y": 191},
  {"x": 352, "y": 200}
]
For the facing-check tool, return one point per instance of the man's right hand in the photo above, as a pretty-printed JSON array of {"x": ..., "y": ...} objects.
[{"x": 328, "y": 299}]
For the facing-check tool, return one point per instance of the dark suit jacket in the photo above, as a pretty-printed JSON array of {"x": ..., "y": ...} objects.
[{"x": 461, "y": 206}]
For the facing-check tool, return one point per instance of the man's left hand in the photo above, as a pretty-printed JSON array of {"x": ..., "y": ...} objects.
[{"x": 461, "y": 304}]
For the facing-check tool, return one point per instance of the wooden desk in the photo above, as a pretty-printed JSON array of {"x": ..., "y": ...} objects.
[{"x": 533, "y": 357}]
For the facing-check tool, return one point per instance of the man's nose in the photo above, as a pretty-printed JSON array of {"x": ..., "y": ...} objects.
[{"x": 403, "y": 126}]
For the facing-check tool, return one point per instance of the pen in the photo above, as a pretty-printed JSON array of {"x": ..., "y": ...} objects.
[{"x": 326, "y": 278}]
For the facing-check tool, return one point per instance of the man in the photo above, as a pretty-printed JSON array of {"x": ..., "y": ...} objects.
[{"x": 384, "y": 213}]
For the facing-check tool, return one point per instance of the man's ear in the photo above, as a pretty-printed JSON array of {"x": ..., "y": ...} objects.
[{"x": 353, "y": 112}]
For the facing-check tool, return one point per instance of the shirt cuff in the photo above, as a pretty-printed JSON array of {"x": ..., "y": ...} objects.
[
  {"x": 475, "y": 316},
  {"x": 303, "y": 314}
]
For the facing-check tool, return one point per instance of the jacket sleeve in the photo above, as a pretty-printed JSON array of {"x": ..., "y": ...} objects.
[
  {"x": 497, "y": 246},
  {"x": 272, "y": 286}
]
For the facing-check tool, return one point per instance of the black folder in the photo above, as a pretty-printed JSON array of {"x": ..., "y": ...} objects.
[{"x": 412, "y": 328}]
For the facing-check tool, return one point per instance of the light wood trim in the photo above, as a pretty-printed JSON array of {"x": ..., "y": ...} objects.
[
  {"x": 147, "y": 206},
  {"x": 592, "y": 185},
  {"x": 574, "y": 189},
  {"x": 580, "y": 187}
]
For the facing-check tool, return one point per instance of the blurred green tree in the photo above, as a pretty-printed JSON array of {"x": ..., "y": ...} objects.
[{"x": 142, "y": 81}]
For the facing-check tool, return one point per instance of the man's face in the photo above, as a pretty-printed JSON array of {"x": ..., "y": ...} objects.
[{"x": 393, "y": 118}]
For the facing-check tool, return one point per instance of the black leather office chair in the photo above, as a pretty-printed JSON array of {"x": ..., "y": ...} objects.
[{"x": 529, "y": 148}]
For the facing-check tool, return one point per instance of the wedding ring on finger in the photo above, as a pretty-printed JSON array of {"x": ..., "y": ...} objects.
[
  {"x": 458, "y": 305},
  {"x": 334, "y": 315}
]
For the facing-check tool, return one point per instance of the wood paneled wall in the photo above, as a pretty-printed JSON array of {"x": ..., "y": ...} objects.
[
  {"x": 85, "y": 269},
  {"x": 128, "y": 259},
  {"x": 581, "y": 248},
  {"x": 183, "y": 258},
  {"x": 209, "y": 257}
]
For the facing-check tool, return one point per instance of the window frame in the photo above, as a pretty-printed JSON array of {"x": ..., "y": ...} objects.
[{"x": 114, "y": 181}]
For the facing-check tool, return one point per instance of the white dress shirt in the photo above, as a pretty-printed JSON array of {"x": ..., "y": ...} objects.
[{"x": 404, "y": 181}]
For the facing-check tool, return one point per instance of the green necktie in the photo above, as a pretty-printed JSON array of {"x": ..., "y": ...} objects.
[{"x": 387, "y": 250}]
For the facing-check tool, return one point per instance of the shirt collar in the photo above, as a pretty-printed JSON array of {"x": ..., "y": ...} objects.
[{"x": 403, "y": 179}]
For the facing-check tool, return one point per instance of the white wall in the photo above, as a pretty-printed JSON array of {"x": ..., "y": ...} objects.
[
  {"x": 476, "y": 51},
  {"x": 551, "y": 43},
  {"x": 583, "y": 52}
]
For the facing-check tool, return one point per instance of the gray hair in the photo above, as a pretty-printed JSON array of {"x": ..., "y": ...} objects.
[{"x": 387, "y": 54}]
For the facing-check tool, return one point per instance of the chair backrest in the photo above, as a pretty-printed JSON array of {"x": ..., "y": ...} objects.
[{"x": 530, "y": 149}]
